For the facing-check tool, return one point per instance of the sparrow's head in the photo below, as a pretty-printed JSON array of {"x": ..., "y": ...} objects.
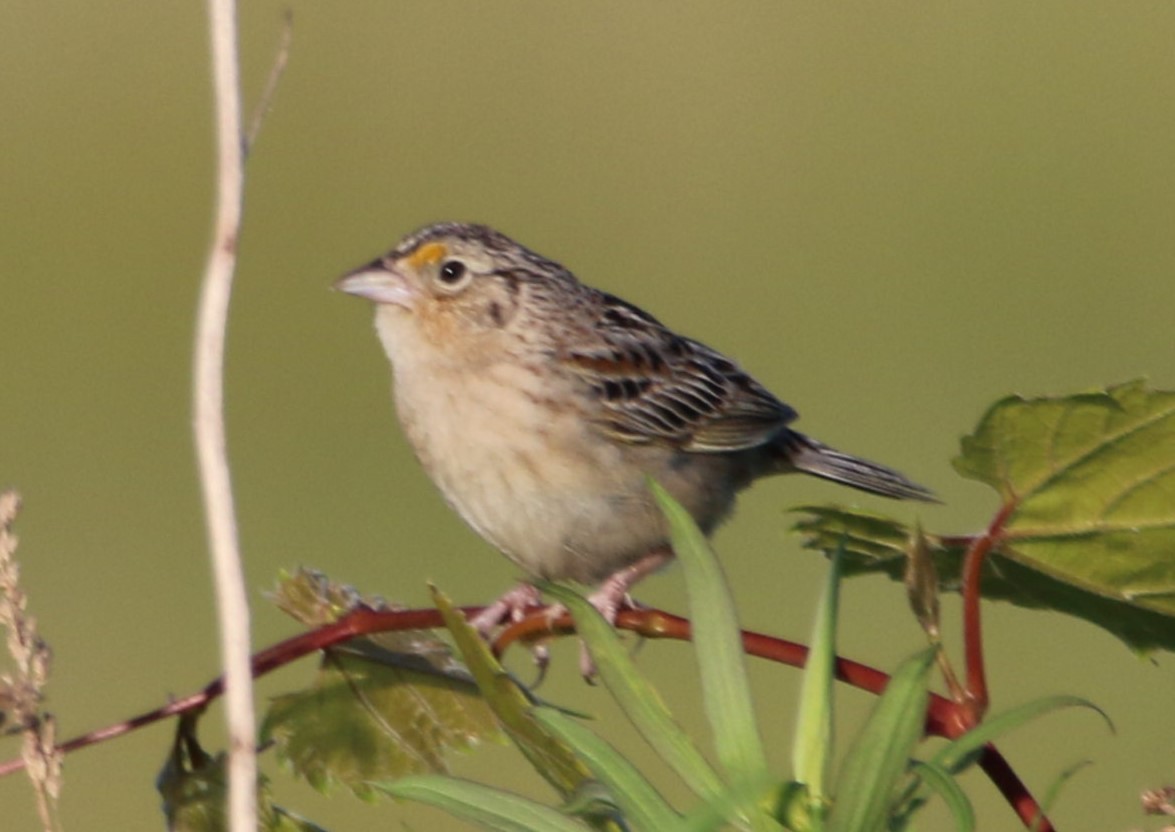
[{"x": 454, "y": 280}]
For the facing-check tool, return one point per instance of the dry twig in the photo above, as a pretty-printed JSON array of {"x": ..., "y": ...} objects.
[
  {"x": 215, "y": 482},
  {"x": 22, "y": 693}
]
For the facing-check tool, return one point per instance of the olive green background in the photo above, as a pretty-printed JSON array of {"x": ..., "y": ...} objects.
[{"x": 892, "y": 214}]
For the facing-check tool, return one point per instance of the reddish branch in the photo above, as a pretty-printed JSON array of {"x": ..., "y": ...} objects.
[{"x": 942, "y": 718}]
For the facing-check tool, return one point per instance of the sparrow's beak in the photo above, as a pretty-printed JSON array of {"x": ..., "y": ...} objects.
[{"x": 380, "y": 283}]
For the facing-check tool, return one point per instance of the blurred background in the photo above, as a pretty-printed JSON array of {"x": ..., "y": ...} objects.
[{"x": 891, "y": 214}]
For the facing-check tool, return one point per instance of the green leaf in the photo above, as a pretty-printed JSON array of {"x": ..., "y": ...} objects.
[
  {"x": 549, "y": 756},
  {"x": 194, "y": 787},
  {"x": 1092, "y": 479},
  {"x": 812, "y": 747},
  {"x": 793, "y": 808},
  {"x": 1062, "y": 779},
  {"x": 488, "y": 807},
  {"x": 716, "y": 635},
  {"x": 639, "y": 802},
  {"x": 310, "y": 597},
  {"x": 726, "y": 693},
  {"x": 194, "y": 795},
  {"x": 880, "y": 754},
  {"x": 1090, "y": 482},
  {"x": 1098, "y": 450},
  {"x": 866, "y": 537},
  {"x": 638, "y": 699},
  {"x": 790, "y": 809},
  {"x": 381, "y": 706},
  {"x": 287, "y": 821},
  {"x": 373, "y": 713},
  {"x": 592, "y": 802},
  {"x": 941, "y": 782},
  {"x": 876, "y": 544}
]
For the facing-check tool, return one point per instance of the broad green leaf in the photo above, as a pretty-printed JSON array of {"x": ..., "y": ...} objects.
[
  {"x": 194, "y": 794},
  {"x": 488, "y": 807},
  {"x": 1090, "y": 482},
  {"x": 1092, "y": 479},
  {"x": 640, "y": 803},
  {"x": 366, "y": 717},
  {"x": 382, "y": 706},
  {"x": 550, "y": 757},
  {"x": 194, "y": 789},
  {"x": 875, "y": 543},
  {"x": 313, "y": 599},
  {"x": 880, "y": 754},
  {"x": 812, "y": 746},
  {"x": 636, "y": 697},
  {"x": 726, "y": 692}
]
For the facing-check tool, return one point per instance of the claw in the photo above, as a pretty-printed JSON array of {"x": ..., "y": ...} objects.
[
  {"x": 612, "y": 597},
  {"x": 540, "y": 654},
  {"x": 609, "y": 599},
  {"x": 511, "y": 607}
]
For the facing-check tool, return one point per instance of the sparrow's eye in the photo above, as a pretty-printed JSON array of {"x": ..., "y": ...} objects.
[{"x": 452, "y": 271}]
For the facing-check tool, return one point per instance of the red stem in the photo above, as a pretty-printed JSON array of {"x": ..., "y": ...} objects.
[
  {"x": 653, "y": 624},
  {"x": 975, "y": 705},
  {"x": 942, "y": 717},
  {"x": 1014, "y": 791},
  {"x": 359, "y": 622}
]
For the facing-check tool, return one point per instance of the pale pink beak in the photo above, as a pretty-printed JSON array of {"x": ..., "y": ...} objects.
[{"x": 379, "y": 283}]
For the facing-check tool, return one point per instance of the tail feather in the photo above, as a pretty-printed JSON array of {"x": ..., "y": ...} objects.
[{"x": 802, "y": 453}]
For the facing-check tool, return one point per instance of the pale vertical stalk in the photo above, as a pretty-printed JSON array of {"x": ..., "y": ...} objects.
[{"x": 232, "y": 601}]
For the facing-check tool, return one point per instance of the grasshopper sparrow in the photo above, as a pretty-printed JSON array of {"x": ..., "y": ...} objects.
[{"x": 538, "y": 405}]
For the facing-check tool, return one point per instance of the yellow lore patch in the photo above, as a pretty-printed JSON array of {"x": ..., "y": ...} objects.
[{"x": 427, "y": 254}]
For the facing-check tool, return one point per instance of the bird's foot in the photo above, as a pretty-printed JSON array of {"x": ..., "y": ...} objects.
[
  {"x": 508, "y": 609},
  {"x": 612, "y": 597},
  {"x": 511, "y": 608}
]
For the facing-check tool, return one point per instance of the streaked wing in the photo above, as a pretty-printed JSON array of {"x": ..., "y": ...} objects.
[{"x": 655, "y": 386}]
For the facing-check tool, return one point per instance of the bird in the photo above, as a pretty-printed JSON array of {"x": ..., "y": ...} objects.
[{"x": 540, "y": 406}]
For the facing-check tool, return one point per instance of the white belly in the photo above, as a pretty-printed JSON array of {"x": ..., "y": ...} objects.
[{"x": 533, "y": 477}]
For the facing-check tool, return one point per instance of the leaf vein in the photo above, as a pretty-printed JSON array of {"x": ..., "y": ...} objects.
[{"x": 1104, "y": 441}]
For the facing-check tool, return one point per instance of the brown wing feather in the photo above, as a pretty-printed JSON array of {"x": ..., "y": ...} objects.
[{"x": 655, "y": 386}]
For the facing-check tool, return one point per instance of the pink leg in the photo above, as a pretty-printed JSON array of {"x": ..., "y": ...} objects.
[
  {"x": 510, "y": 607},
  {"x": 612, "y": 596}
]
